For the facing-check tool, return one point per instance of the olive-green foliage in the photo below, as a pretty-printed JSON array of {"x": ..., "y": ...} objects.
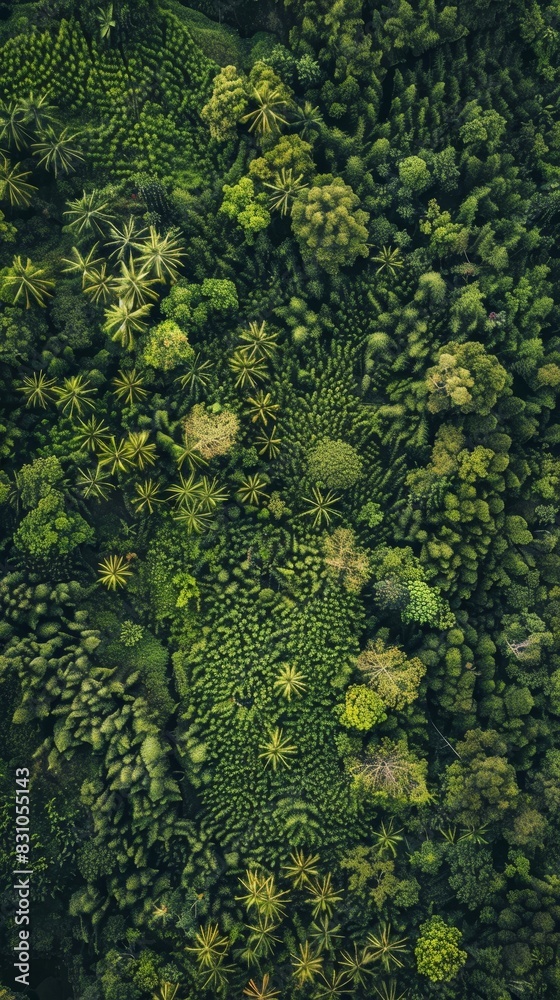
[
  {"x": 166, "y": 347},
  {"x": 334, "y": 464},
  {"x": 329, "y": 225},
  {"x": 437, "y": 952}
]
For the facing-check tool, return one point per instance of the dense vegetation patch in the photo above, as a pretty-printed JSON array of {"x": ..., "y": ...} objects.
[{"x": 279, "y": 497}]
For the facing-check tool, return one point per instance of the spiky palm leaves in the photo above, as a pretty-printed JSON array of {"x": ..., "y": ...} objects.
[
  {"x": 321, "y": 507},
  {"x": 248, "y": 369},
  {"x": 91, "y": 434},
  {"x": 389, "y": 259},
  {"x": 196, "y": 501},
  {"x": 14, "y": 185},
  {"x": 74, "y": 395},
  {"x": 57, "y": 151},
  {"x": 147, "y": 496},
  {"x": 290, "y": 682},
  {"x": 262, "y": 408},
  {"x": 252, "y": 490},
  {"x": 261, "y": 992},
  {"x": 322, "y": 896},
  {"x": 38, "y": 389},
  {"x": 133, "y": 286},
  {"x": 266, "y": 118},
  {"x": 197, "y": 373},
  {"x": 123, "y": 321},
  {"x": 210, "y": 951},
  {"x": 94, "y": 483},
  {"x": 263, "y": 895},
  {"x": 15, "y": 124},
  {"x": 89, "y": 213},
  {"x": 114, "y": 572},
  {"x": 82, "y": 265},
  {"x": 277, "y": 750},
  {"x": 269, "y": 444},
  {"x": 129, "y": 387},
  {"x": 285, "y": 189},
  {"x": 384, "y": 947},
  {"x": 301, "y": 868},
  {"x": 124, "y": 240},
  {"x": 27, "y": 283},
  {"x": 161, "y": 255},
  {"x": 262, "y": 343}
]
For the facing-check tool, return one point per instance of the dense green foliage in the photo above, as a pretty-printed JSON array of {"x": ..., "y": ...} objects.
[{"x": 279, "y": 496}]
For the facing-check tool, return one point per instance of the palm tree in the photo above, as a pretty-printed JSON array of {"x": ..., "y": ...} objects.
[
  {"x": 290, "y": 682},
  {"x": 277, "y": 750},
  {"x": 185, "y": 491},
  {"x": 270, "y": 444},
  {"x": 356, "y": 965},
  {"x": 263, "y": 895},
  {"x": 285, "y": 190},
  {"x": 262, "y": 342},
  {"x": 147, "y": 495},
  {"x": 261, "y": 992},
  {"x": 114, "y": 572},
  {"x": 123, "y": 321},
  {"x": 140, "y": 451},
  {"x": 252, "y": 490},
  {"x": 13, "y": 184},
  {"x": 266, "y": 117},
  {"x": 85, "y": 266},
  {"x": 307, "y": 120},
  {"x": 38, "y": 112},
  {"x": 191, "y": 455},
  {"x": 322, "y": 896},
  {"x": 210, "y": 946},
  {"x": 91, "y": 434},
  {"x": 134, "y": 287},
  {"x": 249, "y": 369},
  {"x": 73, "y": 395},
  {"x": 94, "y": 483},
  {"x": 14, "y": 124},
  {"x": 262, "y": 939},
  {"x": 475, "y": 834},
  {"x": 89, "y": 213},
  {"x": 161, "y": 255},
  {"x": 211, "y": 494},
  {"x": 306, "y": 965},
  {"x": 26, "y": 281},
  {"x": 56, "y": 151},
  {"x": 197, "y": 373},
  {"x": 128, "y": 386},
  {"x": 254, "y": 884},
  {"x": 192, "y": 514},
  {"x": 302, "y": 867},
  {"x": 261, "y": 407},
  {"x": 167, "y": 991},
  {"x": 389, "y": 259},
  {"x": 124, "y": 239},
  {"x": 324, "y": 934},
  {"x": 38, "y": 389},
  {"x": 98, "y": 283},
  {"x": 116, "y": 454},
  {"x": 386, "y": 949},
  {"x": 106, "y": 22},
  {"x": 388, "y": 991},
  {"x": 321, "y": 508},
  {"x": 333, "y": 986},
  {"x": 387, "y": 839}
]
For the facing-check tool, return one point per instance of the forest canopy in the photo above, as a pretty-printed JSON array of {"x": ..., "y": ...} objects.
[{"x": 279, "y": 499}]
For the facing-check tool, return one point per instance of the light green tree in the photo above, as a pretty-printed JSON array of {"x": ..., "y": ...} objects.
[
  {"x": 438, "y": 955},
  {"x": 329, "y": 225}
]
